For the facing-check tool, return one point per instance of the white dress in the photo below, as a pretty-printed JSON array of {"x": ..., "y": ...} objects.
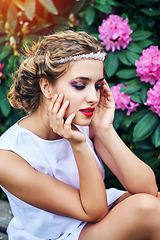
[{"x": 55, "y": 158}]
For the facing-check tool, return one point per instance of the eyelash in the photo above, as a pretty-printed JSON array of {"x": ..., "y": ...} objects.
[
  {"x": 98, "y": 86},
  {"x": 82, "y": 86}
]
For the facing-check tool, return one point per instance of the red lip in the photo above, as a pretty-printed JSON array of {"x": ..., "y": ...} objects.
[{"x": 88, "y": 112}]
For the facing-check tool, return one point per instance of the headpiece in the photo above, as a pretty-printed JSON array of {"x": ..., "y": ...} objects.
[{"x": 97, "y": 56}]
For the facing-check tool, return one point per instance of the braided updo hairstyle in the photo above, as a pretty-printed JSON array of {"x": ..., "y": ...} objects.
[{"x": 25, "y": 93}]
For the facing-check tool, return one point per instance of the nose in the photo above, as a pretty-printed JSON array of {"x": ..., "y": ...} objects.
[{"x": 93, "y": 96}]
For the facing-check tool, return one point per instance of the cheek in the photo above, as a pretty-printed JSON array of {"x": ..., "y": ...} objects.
[{"x": 72, "y": 106}]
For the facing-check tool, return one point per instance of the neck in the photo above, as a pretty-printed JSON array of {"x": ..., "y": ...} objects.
[
  {"x": 38, "y": 123},
  {"x": 46, "y": 131}
]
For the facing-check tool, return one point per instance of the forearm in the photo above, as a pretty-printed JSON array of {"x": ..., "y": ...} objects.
[
  {"x": 135, "y": 174},
  {"x": 92, "y": 188}
]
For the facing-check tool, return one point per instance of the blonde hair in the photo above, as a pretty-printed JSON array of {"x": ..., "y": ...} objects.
[{"x": 25, "y": 93}]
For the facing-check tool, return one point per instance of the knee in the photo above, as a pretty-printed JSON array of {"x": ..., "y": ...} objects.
[{"x": 146, "y": 205}]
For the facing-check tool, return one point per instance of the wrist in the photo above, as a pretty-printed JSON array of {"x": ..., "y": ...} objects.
[
  {"x": 78, "y": 146},
  {"x": 105, "y": 133}
]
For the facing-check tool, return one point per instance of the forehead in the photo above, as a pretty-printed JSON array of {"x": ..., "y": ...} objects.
[{"x": 89, "y": 68}]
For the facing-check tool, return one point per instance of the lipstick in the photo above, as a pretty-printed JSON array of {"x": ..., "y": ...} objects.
[{"x": 88, "y": 112}]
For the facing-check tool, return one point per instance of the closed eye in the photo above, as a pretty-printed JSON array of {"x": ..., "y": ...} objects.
[{"x": 78, "y": 85}]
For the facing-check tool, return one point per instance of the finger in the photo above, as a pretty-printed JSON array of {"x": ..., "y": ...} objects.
[
  {"x": 62, "y": 110},
  {"x": 52, "y": 102},
  {"x": 58, "y": 103},
  {"x": 68, "y": 122},
  {"x": 56, "y": 123},
  {"x": 107, "y": 91}
]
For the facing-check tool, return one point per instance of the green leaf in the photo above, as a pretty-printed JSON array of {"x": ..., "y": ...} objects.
[
  {"x": 12, "y": 17},
  {"x": 90, "y": 15},
  {"x": 145, "y": 127},
  {"x": 77, "y": 7},
  {"x": 132, "y": 57},
  {"x": 144, "y": 91},
  {"x": 12, "y": 63},
  {"x": 5, "y": 107},
  {"x": 133, "y": 82},
  {"x": 134, "y": 47},
  {"x": 143, "y": 154},
  {"x": 153, "y": 163},
  {"x": 118, "y": 118},
  {"x": 124, "y": 15},
  {"x": 3, "y": 39},
  {"x": 132, "y": 86},
  {"x": 104, "y": 8},
  {"x": 111, "y": 63},
  {"x": 136, "y": 97},
  {"x": 30, "y": 6},
  {"x": 151, "y": 12},
  {"x": 95, "y": 35},
  {"x": 49, "y": 6},
  {"x": 127, "y": 121},
  {"x": 137, "y": 116},
  {"x": 6, "y": 50},
  {"x": 155, "y": 138},
  {"x": 102, "y": 2},
  {"x": 26, "y": 41},
  {"x": 145, "y": 144},
  {"x": 123, "y": 58},
  {"x": 2, "y": 92},
  {"x": 133, "y": 26},
  {"x": 145, "y": 43},
  {"x": 126, "y": 73},
  {"x": 140, "y": 35},
  {"x": 114, "y": 3}
]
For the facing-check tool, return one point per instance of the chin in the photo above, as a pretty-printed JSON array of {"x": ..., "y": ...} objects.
[{"x": 80, "y": 122}]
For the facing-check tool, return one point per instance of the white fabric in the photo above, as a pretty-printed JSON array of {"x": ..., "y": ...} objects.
[{"x": 56, "y": 159}]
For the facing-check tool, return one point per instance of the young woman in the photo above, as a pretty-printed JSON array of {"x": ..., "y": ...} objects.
[{"x": 51, "y": 170}]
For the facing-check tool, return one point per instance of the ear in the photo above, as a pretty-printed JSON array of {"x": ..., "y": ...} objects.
[{"x": 45, "y": 88}]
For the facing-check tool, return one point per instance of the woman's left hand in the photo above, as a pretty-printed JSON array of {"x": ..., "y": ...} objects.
[{"x": 104, "y": 114}]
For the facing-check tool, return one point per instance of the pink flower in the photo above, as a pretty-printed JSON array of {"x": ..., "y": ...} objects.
[
  {"x": 153, "y": 99},
  {"x": 123, "y": 101},
  {"x": 148, "y": 67},
  {"x": 114, "y": 32},
  {"x": 1, "y": 66}
]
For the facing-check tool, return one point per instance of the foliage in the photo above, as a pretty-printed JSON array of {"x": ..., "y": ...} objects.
[{"x": 23, "y": 21}]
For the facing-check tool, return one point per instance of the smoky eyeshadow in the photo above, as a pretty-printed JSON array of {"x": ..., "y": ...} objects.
[{"x": 77, "y": 84}]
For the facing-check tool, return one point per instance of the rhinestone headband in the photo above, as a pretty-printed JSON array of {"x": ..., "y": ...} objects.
[{"x": 97, "y": 56}]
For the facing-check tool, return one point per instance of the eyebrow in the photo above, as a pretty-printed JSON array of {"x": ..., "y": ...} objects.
[{"x": 87, "y": 79}]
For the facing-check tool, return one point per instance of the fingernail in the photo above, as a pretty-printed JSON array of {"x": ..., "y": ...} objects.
[
  {"x": 66, "y": 102},
  {"x": 55, "y": 96},
  {"x": 61, "y": 95}
]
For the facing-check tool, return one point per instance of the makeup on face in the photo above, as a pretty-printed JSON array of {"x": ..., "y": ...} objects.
[
  {"x": 88, "y": 112},
  {"x": 80, "y": 83}
]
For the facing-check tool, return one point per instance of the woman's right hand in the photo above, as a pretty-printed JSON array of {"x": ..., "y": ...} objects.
[{"x": 63, "y": 127}]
